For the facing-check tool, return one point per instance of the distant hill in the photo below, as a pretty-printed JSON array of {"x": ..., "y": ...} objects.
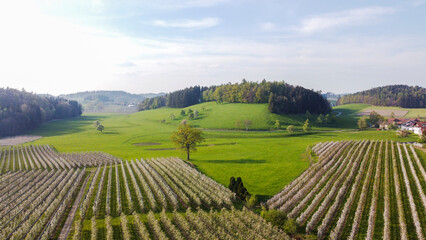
[
  {"x": 109, "y": 101},
  {"x": 392, "y": 95},
  {"x": 333, "y": 97},
  {"x": 282, "y": 98}
]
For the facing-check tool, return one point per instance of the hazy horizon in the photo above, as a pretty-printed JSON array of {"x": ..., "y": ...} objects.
[
  {"x": 138, "y": 93},
  {"x": 63, "y": 47}
]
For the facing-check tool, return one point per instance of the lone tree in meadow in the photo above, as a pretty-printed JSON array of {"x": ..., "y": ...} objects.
[
  {"x": 96, "y": 123},
  {"x": 98, "y": 126},
  {"x": 186, "y": 139},
  {"x": 277, "y": 124},
  {"x": 247, "y": 124},
  {"x": 375, "y": 119},
  {"x": 362, "y": 123},
  {"x": 307, "y": 126},
  {"x": 290, "y": 129}
]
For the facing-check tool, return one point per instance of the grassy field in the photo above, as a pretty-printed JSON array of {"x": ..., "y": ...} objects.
[{"x": 266, "y": 160}]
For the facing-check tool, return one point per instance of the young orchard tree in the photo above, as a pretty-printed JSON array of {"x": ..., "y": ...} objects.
[
  {"x": 186, "y": 139},
  {"x": 247, "y": 124},
  {"x": 277, "y": 124},
  {"x": 238, "y": 124},
  {"x": 191, "y": 115},
  {"x": 290, "y": 129}
]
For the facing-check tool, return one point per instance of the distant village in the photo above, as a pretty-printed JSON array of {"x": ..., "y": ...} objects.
[{"x": 414, "y": 125}]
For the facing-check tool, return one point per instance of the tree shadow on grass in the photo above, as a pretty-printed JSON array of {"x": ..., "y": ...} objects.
[
  {"x": 110, "y": 132},
  {"x": 66, "y": 126},
  {"x": 263, "y": 198},
  {"x": 239, "y": 161}
]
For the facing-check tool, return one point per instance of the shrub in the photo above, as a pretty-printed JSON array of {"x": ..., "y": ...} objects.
[
  {"x": 290, "y": 226},
  {"x": 275, "y": 217},
  {"x": 252, "y": 201},
  {"x": 403, "y": 133}
]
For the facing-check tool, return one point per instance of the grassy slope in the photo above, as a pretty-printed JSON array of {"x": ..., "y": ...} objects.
[{"x": 265, "y": 160}]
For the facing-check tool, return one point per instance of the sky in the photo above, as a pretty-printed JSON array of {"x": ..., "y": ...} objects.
[{"x": 142, "y": 46}]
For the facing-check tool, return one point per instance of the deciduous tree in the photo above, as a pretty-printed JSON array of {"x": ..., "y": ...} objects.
[
  {"x": 362, "y": 123},
  {"x": 290, "y": 129},
  {"x": 277, "y": 124},
  {"x": 186, "y": 139},
  {"x": 307, "y": 126},
  {"x": 247, "y": 124},
  {"x": 100, "y": 127}
]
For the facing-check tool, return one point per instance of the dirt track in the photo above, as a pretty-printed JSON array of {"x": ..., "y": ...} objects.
[
  {"x": 384, "y": 112},
  {"x": 68, "y": 223},
  {"x": 8, "y": 141}
]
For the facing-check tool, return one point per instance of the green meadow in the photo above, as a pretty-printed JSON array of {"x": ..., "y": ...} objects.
[{"x": 266, "y": 158}]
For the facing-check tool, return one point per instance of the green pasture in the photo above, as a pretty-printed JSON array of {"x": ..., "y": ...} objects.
[{"x": 266, "y": 160}]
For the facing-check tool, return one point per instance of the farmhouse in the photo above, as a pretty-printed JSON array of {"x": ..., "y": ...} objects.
[
  {"x": 412, "y": 124},
  {"x": 419, "y": 128}
]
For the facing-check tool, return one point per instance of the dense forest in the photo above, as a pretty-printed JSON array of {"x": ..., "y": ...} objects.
[
  {"x": 282, "y": 98},
  {"x": 21, "y": 111},
  {"x": 393, "y": 95}
]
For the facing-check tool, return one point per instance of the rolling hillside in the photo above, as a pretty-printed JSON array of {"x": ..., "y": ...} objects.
[{"x": 266, "y": 160}]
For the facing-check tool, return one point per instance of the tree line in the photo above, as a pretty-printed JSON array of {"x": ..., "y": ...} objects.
[
  {"x": 392, "y": 95},
  {"x": 21, "y": 111},
  {"x": 282, "y": 98}
]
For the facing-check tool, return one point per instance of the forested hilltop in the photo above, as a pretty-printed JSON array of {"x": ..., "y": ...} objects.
[
  {"x": 392, "y": 95},
  {"x": 281, "y": 97},
  {"x": 21, "y": 111}
]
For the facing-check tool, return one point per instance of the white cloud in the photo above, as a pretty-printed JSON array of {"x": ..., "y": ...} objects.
[
  {"x": 344, "y": 18},
  {"x": 188, "y": 23},
  {"x": 49, "y": 55}
]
